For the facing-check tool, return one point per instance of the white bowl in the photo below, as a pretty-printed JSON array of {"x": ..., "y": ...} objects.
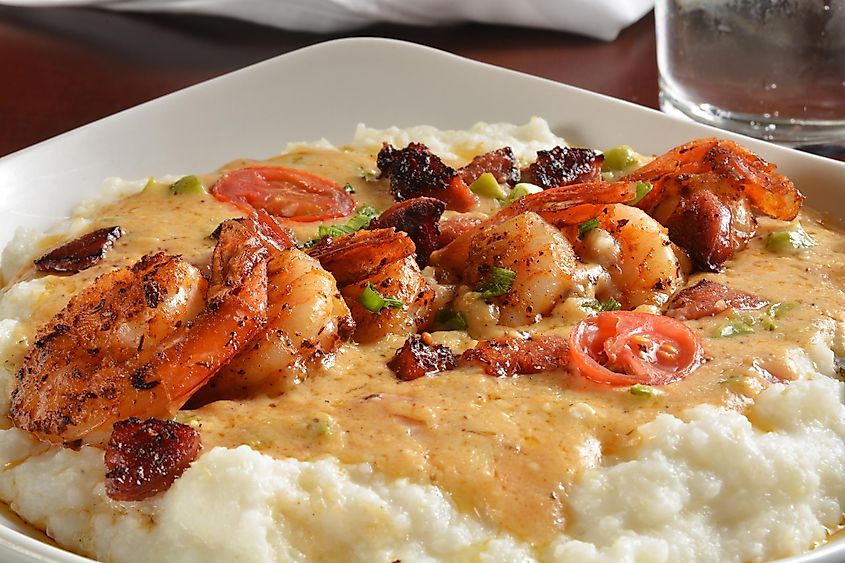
[{"x": 325, "y": 91}]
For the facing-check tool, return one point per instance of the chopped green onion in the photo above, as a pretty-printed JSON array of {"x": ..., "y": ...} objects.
[
  {"x": 368, "y": 174},
  {"x": 618, "y": 158},
  {"x": 789, "y": 241},
  {"x": 361, "y": 220},
  {"x": 499, "y": 282},
  {"x": 347, "y": 187},
  {"x": 487, "y": 186},
  {"x": 331, "y": 231},
  {"x": 187, "y": 185},
  {"x": 747, "y": 322},
  {"x": 521, "y": 190},
  {"x": 609, "y": 305},
  {"x": 374, "y": 302},
  {"x": 643, "y": 188},
  {"x": 640, "y": 390},
  {"x": 449, "y": 319},
  {"x": 587, "y": 226}
]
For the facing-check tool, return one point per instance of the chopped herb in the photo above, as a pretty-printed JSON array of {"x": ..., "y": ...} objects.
[
  {"x": 789, "y": 241},
  {"x": 498, "y": 282},
  {"x": 332, "y": 231},
  {"x": 587, "y": 226},
  {"x": 609, "y": 305},
  {"x": 640, "y": 390},
  {"x": 368, "y": 175},
  {"x": 361, "y": 220},
  {"x": 643, "y": 188},
  {"x": 374, "y": 302},
  {"x": 347, "y": 187},
  {"x": 747, "y": 322},
  {"x": 449, "y": 319}
]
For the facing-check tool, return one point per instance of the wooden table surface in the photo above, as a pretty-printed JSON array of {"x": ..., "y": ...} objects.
[{"x": 64, "y": 67}]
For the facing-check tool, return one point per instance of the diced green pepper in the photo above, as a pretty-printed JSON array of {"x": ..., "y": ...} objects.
[
  {"x": 640, "y": 390},
  {"x": 521, "y": 190},
  {"x": 789, "y": 241},
  {"x": 735, "y": 327},
  {"x": 188, "y": 185},
  {"x": 487, "y": 186},
  {"x": 151, "y": 183},
  {"x": 619, "y": 158}
]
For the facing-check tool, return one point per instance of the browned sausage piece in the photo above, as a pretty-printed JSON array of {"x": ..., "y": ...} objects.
[
  {"x": 144, "y": 458},
  {"x": 707, "y": 298},
  {"x": 81, "y": 253},
  {"x": 511, "y": 355},
  {"x": 562, "y": 166},
  {"x": 419, "y": 357}
]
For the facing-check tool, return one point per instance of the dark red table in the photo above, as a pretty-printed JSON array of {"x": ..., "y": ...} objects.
[{"x": 62, "y": 67}]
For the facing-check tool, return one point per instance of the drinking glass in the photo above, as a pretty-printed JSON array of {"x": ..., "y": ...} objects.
[{"x": 771, "y": 69}]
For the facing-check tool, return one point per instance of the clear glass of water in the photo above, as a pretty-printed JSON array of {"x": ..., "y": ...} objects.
[{"x": 771, "y": 69}]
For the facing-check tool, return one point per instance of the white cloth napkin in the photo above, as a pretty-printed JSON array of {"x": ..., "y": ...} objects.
[{"x": 603, "y": 19}]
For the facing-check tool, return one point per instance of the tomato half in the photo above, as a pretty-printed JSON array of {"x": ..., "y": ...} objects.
[
  {"x": 284, "y": 192},
  {"x": 626, "y": 347}
]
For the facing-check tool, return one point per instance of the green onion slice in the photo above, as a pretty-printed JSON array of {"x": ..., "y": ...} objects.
[
  {"x": 609, "y": 305},
  {"x": 374, "y": 302},
  {"x": 498, "y": 282},
  {"x": 643, "y": 188},
  {"x": 449, "y": 319},
  {"x": 587, "y": 226},
  {"x": 361, "y": 220}
]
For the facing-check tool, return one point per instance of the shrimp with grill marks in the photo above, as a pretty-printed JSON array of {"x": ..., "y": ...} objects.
[
  {"x": 307, "y": 320},
  {"x": 140, "y": 341},
  {"x": 383, "y": 259}
]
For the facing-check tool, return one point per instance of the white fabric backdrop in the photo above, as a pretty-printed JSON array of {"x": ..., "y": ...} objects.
[{"x": 603, "y": 19}]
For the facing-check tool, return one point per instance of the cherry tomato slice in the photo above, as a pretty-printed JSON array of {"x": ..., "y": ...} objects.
[
  {"x": 626, "y": 347},
  {"x": 284, "y": 192}
]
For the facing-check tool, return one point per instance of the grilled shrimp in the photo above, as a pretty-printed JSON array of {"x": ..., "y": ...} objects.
[
  {"x": 644, "y": 265},
  {"x": 704, "y": 192},
  {"x": 400, "y": 280},
  {"x": 539, "y": 255},
  {"x": 735, "y": 169},
  {"x": 306, "y": 320},
  {"x": 570, "y": 204},
  {"x": 383, "y": 259},
  {"x": 140, "y": 341}
]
